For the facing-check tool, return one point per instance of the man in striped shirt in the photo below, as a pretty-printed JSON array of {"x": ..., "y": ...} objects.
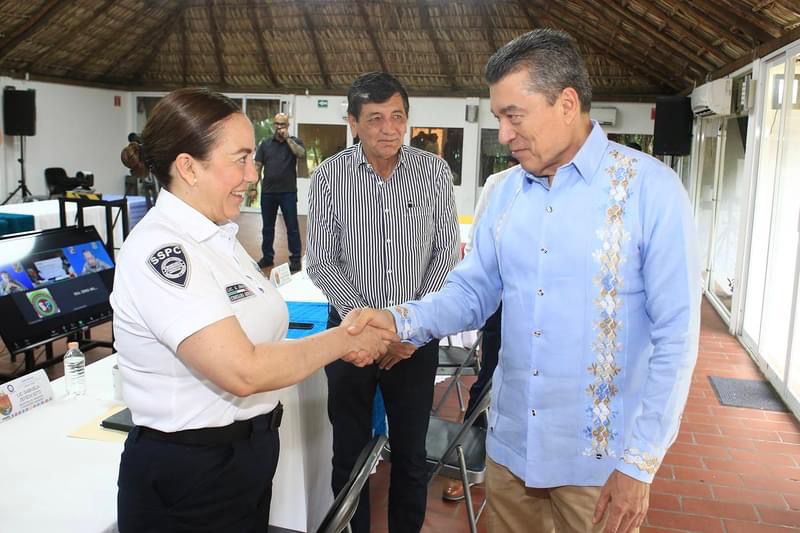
[{"x": 382, "y": 229}]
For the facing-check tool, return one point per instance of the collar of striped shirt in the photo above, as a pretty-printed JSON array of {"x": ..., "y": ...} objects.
[{"x": 360, "y": 158}]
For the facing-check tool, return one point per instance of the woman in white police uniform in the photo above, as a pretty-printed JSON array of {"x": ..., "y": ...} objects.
[{"x": 198, "y": 331}]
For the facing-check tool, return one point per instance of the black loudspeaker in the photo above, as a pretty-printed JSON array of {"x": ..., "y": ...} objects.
[
  {"x": 19, "y": 112},
  {"x": 673, "y": 128}
]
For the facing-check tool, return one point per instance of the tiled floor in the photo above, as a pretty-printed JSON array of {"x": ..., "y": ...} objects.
[{"x": 731, "y": 470}]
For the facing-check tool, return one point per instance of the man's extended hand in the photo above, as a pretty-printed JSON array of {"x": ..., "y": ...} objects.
[
  {"x": 397, "y": 352},
  {"x": 625, "y": 499},
  {"x": 357, "y": 319},
  {"x": 369, "y": 345}
]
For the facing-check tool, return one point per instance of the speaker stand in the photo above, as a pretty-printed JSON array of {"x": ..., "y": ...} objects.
[{"x": 22, "y": 188}]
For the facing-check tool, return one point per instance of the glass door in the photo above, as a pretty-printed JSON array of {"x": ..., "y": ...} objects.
[
  {"x": 789, "y": 165},
  {"x": 261, "y": 112},
  {"x": 771, "y": 120},
  {"x": 729, "y": 194},
  {"x": 706, "y": 191}
]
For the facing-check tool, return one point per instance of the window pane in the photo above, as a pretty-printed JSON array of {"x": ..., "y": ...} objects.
[
  {"x": 494, "y": 156},
  {"x": 765, "y": 188},
  {"x": 705, "y": 205},
  {"x": 790, "y": 162},
  {"x": 322, "y": 141},
  {"x": 144, "y": 107},
  {"x": 260, "y": 112},
  {"x": 782, "y": 254},
  {"x": 447, "y": 143},
  {"x": 731, "y": 191}
]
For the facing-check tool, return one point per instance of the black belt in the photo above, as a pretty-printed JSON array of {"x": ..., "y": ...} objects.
[{"x": 239, "y": 430}]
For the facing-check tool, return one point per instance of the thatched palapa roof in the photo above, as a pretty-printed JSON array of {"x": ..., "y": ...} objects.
[{"x": 635, "y": 49}]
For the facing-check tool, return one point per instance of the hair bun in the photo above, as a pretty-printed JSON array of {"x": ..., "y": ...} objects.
[{"x": 132, "y": 157}]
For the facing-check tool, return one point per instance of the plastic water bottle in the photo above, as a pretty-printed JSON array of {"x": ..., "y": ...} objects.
[{"x": 75, "y": 370}]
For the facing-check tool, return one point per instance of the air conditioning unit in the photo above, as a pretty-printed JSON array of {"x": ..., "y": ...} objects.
[
  {"x": 605, "y": 116},
  {"x": 712, "y": 98}
]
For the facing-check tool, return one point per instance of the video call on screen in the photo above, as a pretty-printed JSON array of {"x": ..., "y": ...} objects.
[{"x": 51, "y": 282}]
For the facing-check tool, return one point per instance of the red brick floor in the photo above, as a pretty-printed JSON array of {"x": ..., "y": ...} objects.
[{"x": 732, "y": 470}]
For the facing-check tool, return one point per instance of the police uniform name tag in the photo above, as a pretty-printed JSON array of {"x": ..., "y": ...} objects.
[
  {"x": 23, "y": 394},
  {"x": 171, "y": 264},
  {"x": 280, "y": 275},
  {"x": 237, "y": 292}
]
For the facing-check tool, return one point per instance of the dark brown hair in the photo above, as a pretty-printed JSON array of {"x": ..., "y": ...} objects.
[{"x": 184, "y": 121}]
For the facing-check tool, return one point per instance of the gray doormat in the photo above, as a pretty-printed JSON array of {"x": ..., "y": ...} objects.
[{"x": 752, "y": 393}]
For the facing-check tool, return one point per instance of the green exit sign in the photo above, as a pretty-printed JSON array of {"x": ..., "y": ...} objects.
[{"x": 322, "y": 103}]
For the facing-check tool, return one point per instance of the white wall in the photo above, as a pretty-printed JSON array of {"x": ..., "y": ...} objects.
[{"x": 77, "y": 128}]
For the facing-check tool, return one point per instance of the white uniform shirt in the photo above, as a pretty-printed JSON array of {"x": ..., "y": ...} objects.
[{"x": 177, "y": 273}]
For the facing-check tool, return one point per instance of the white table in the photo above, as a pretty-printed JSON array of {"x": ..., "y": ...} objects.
[
  {"x": 61, "y": 484},
  {"x": 46, "y": 216},
  {"x": 54, "y": 483}
]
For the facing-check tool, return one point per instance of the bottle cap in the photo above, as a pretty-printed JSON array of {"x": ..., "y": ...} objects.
[{"x": 72, "y": 345}]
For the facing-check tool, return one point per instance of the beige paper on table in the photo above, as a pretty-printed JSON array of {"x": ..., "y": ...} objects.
[{"x": 92, "y": 429}]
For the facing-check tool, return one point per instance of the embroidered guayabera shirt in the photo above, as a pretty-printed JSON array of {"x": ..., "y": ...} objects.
[{"x": 601, "y": 291}]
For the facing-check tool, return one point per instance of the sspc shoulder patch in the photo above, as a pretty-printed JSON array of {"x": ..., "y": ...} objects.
[
  {"x": 238, "y": 291},
  {"x": 171, "y": 264}
]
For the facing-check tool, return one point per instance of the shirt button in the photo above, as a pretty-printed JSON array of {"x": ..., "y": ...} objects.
[
  {"x": 391, "y": 301},
  {"x": 386, "y": 211},
  {"x": 533, "y": 412},
  {"x": 535, "y": 372},
  {"x": 543, "y": 250},
  {"x": 537, "y": 333},
  {"x": 388, "y": 271},
  {"x": 549, "y": 209},
  {"x": 540, "y": 292}
]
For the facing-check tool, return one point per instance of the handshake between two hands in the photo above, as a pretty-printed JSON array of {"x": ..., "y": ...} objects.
[{"x": 373, "y": 339}]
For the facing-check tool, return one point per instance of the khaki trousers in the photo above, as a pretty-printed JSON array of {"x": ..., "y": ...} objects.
[{"x": 515, "y": 508}]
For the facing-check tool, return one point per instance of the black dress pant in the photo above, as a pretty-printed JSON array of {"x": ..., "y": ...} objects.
[
  {"x": 170, "y": 487},
  {"x": 490, "y": 353},
  {"x": 408, "y": 394}
]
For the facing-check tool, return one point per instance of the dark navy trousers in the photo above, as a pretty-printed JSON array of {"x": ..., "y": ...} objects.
[{"x": 170, "y": 487}]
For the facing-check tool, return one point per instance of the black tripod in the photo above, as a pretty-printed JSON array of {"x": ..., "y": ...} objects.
[{"x": 22, "y": 187}]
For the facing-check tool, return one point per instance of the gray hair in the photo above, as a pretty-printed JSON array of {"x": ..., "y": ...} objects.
[{"x": 552, "y": 60}]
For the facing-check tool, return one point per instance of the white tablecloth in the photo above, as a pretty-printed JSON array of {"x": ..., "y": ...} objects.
[
  {"x": 54, "y": 483},
  {"x": 45, "y": 216}
]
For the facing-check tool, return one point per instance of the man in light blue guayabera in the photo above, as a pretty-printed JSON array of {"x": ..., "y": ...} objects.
[{"x": 590, "y": 245}]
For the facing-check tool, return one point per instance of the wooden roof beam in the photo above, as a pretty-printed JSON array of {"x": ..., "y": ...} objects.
[
  {"x": 488, "y": 27},
  {"x": 632, "y": 61},
  {"x": 105, "y": 43},
  {"x": 761, "y": 51},
  {"x": 212, "y": 22},
  {"x": 532, "y": 21},
  {"x": 444, "y": 63},
  {"x": 184, "y": 51},
  {"x": 741, "y": 18},
  {"x": 312, "y": 30},
  {"x": 98, "y": 11},
  {"x": 362, "y": 11},
  {"x": 709, "y": 22},
  {"x": 262, "y": 49},
  {"x": 683, "y": 34},
  {"x": 31, "y": 26},
  {"x": 653, "y": 32},
  {"x": 164, "y": 30}
]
